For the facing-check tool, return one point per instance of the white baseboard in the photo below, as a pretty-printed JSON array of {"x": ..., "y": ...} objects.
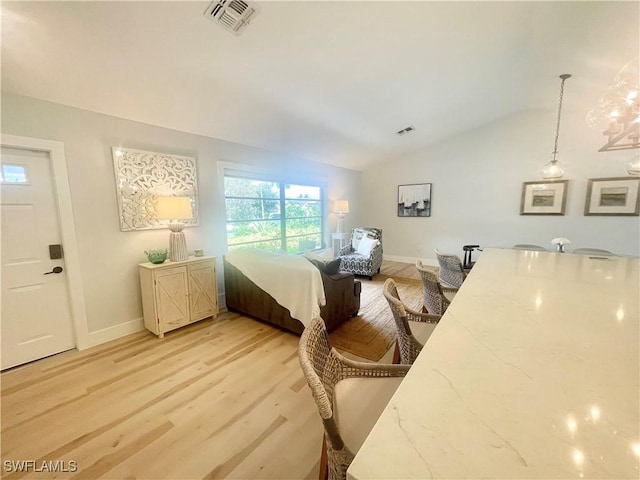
[
  {"x": 112, "y": 333},
  {"x": 127, "y": 328},
  {"x": 396, "y": 258}
]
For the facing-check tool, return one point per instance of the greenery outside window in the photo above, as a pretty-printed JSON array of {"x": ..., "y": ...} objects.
[{"x": 273, "y": 215}]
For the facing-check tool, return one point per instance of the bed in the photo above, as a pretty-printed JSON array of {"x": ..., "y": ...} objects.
[{"x": 341, "y": 294}]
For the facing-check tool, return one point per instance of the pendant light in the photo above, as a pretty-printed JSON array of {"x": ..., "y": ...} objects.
[
  {"x": 554, "y": 169},
  {"x": 617, "y": 113}
]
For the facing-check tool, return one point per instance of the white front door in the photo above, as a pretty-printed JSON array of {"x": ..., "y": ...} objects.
[{"x": 36, "y": 314}]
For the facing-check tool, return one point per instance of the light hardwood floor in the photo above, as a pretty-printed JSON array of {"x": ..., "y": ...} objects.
[
  {"x": 222, "y": 398},
  {"x": 400, "y": 269}
]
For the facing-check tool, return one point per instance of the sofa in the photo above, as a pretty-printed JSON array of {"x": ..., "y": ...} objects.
[
  {"x": 363, "y": 261},
  {"x": 342, "y": 294}
]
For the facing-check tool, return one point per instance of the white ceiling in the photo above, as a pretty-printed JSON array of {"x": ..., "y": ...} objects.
[{"x": 325, "y": 81}]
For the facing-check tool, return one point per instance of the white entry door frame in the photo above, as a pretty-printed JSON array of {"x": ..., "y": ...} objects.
[{"x": 58, "y": 160}]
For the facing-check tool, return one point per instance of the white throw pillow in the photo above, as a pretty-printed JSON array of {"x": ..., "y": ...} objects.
[
  {"x": 357, "y": 235},
  {"x": 366, "y": 245}
]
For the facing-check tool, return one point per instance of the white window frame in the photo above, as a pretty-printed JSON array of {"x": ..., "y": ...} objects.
[{"x": 257, "y": 173}]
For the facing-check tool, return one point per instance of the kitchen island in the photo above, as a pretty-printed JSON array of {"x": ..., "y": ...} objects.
[{"x": 532, "y": 373}]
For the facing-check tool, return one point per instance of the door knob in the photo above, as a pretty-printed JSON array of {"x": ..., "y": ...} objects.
[{"x": 55, "y": 270}]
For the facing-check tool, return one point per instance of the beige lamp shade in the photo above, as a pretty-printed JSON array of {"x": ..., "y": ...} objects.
[
  {"x": 341, "y": 206},
  {"x": 173, "y": 208}
]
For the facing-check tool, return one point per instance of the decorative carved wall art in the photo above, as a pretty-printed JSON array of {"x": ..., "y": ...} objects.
[{"x": 142, "y": 176}]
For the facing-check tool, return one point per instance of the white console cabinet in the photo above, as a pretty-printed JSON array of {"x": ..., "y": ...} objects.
[{"x": 175, "y": 294}]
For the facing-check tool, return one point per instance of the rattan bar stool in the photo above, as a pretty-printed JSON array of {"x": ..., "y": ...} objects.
[
  {"x": 413, "y": 329},
  {"x": 594, "y": 251},
  {"x": 451, "y": 273},
  {"x": 350, "y": 396},
  {"x": 433, "y": 293},
  {"x": 526, "y": 246}
]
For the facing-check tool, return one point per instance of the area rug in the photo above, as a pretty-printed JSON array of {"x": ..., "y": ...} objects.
[{"x": 372, "y": 332}]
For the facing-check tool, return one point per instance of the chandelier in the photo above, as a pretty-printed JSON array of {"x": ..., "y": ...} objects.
[
  {"x": 617, "y": 114},
  {"x": 554, "y": 169}
]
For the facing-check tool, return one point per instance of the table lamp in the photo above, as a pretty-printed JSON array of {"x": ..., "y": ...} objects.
[
  {"x": 340, "y": 207},
  {"x": 175, "y": 209}
]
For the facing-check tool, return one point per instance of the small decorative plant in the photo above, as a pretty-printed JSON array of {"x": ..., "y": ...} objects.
[{"x": 560, "y": 242}]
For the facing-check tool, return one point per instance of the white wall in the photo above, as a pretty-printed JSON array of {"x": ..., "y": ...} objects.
[
  {"x": 109, "y": 257},
  {"x": 477, "y": 180},
  {"x": 477, "y": 183}
]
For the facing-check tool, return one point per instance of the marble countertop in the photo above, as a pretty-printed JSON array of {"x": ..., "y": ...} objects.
[{"x": 532, "y": 373}]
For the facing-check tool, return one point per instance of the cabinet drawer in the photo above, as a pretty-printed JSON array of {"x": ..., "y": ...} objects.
[{"x": 168, "y": 325}]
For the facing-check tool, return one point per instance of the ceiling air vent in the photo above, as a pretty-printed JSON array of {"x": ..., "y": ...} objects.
[
  {"x": 233, "y": 15},
  {"x": 404, "y": 131}
]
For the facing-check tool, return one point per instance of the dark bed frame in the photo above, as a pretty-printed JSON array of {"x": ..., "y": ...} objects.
[{"x": 341, "y": 290}]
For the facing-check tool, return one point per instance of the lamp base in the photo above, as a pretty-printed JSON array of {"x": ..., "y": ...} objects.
[
  {"x": 340, "y": 225},
  {"x": 177, "y": 247}
]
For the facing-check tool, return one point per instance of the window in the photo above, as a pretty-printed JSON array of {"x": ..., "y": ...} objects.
[
  {"x": 13, "y": 173},
  {"x": 273, "y": 215}
]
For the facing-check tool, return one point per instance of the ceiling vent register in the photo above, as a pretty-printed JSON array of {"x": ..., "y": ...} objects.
[
  {"x": 234, "y": 15},
  {"x": 406, "y": 130}
]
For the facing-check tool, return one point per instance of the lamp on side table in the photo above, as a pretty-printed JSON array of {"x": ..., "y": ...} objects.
[
  {"x": 175, "y": 209},
  {"x": 340, "y": 207},
  {"x": 340, "y": 237}
]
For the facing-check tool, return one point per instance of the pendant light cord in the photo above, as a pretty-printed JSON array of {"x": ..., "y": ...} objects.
[{"x": 564, "y": 77}]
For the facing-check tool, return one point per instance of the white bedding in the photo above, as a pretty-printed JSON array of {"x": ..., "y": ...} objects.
[{"x": 291, "y": 280}]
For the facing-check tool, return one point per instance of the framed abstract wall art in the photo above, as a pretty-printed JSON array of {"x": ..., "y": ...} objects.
[
  {"x": 544, "y": 198},
  {"x": 414, "y": 200},
  {"x": 613, "y": 196}
]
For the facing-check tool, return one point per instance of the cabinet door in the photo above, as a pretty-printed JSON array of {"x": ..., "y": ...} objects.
[
  {"x": 171, "y": 298},
  {"x": 203, "y": 291}
]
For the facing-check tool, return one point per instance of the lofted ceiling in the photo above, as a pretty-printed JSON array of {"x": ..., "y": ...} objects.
[{"x": 327, "y": 81}]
